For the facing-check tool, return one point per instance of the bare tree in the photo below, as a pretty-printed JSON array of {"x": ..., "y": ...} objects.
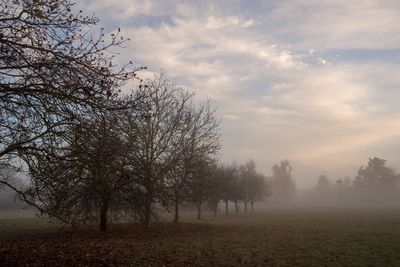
[
  {"x": 201, "y": 182},
  {"x": 253, "y": 184},
  {"x": 86, "y": 180},
  {"x": 236, "y": 189},
  {"x": 217, "y": 189},
  {"x": 197, "y": 137},
  {"x": 53, "y": 70},
  {"x": 247, "y": 173},
  {"x": 152, "y": 140},
  {"x": 229, "y": 185}
]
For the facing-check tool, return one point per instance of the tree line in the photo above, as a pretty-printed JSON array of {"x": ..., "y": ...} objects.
[
  {"x": 375, "y": 185},
  {"x": 90, "y": 152}
]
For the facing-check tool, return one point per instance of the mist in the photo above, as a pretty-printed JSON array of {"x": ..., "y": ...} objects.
[{"x": 199, "y": 133}]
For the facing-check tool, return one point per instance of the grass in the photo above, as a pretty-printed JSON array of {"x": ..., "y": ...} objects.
[{"x": 301, "y": 237}]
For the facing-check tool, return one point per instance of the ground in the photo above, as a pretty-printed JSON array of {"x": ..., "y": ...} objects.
[{"x": 301, "y": 237}]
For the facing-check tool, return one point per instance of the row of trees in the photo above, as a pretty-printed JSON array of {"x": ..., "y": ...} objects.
[
  {"x": 375, "y": 184},
  {"x": 238, "y": 184},
  {"x": 215, "y": 184},
  {"x": 88, "y": 151}
]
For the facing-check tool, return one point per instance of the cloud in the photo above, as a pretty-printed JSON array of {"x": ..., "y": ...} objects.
[
  {"x": 340, "y": 24},
  {"x": 320, "y": 119},
  {"x": 231, "y": 117},
  {"x": 315, "y": 82},
  {"x": 231, "y": 21}
]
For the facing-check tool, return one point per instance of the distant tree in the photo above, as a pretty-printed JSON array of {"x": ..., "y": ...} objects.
[
  {"x": 253, "y": 184},
  {"x": 322, "y": 193},
  {"x": 323, "y": 181},
  {"x": 260, "y": 189},
  {"x": 229, "y": 185},
  {"x": 201, "y": 183},
  {"x": 177, "y": 184},
  {"x": 237, "y": 193},
  {"x": 375, "y": 184},
  {"x": 283, "y": 186},
  {"x": 376, "y": 173},
  {"x": 217, "y": 189}
]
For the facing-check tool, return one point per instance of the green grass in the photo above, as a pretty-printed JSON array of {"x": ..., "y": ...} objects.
[{"x": 269, "y": 238}]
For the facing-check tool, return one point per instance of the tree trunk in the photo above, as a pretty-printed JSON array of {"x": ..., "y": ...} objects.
[
  {"x": 252, "y": 206},
  {"x": 216, "y": 210},
  {"x": 103, "y": 215},
  {"x": 199, "y": 211},
  {"x": 147, "y": 211},
  {"x": 245, "y": 207},
  {"x": 176, "y": 218},
  {"x": 226, "y": 207},
  {"x": 148, "y": 198},
  {"x": 236, "y": 207}
]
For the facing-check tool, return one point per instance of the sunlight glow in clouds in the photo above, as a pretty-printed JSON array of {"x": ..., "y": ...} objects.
[{"x": 289, "y": 77}]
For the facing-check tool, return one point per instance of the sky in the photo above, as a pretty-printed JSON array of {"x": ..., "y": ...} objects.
[{"x": 315, "y": 82}]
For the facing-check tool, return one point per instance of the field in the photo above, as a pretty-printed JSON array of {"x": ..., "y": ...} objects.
[{"x": 302, "y": 237}]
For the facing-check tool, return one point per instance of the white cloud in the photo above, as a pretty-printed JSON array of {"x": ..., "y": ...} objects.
[
  {"x": 231, "y": 21},
  {"x": 118, "y": 9},
  {"x": 339, "y": 24},
  {"x": 279, "y": 96}
]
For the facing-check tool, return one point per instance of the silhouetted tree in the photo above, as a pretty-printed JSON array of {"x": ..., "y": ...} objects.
[
  {"x": 86, "y": 181},
  {"x": 376, "y": 173},
  {"x": 201, "y": 182},
  {"x": 323, "y": 182},
  {"x": 283, "y": 186},
  {"x": 229, "y": 185},
  {"x": 155, "y": 140},
  {"x": 237, "y": 192},
  {"x": 253, "y": 184},
  {"x": 217, "y": 189},
  {"x": 53, "y": 70},
  {"x": 197, "y": 137}
]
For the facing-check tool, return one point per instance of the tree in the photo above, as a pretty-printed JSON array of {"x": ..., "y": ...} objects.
[
  {"x": 53, "y": 70},
  {"x": 236, "y": 190},
  {"x": 323, "y": 191},
  {"x": 375, "y": 184},
  {"x": 197, "y": 137},
  {"x": 88, "y": 180},
  {"x": 201, "y": 182},
  {"x": 323, "y": 187},
  {"x": 253, "y": 184},
  {"x": 283, "y": 186},
  {"x": 228, "y": 185},
  {"x": 217, "y": 187},
  {"x": 376, "y": 173},
  {"x": 153, "y": 139}
]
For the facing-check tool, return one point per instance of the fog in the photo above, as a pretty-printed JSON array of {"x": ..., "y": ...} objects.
[
  {"x": 199, "y": 133},
  {"x": 375, "y": 186}
]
